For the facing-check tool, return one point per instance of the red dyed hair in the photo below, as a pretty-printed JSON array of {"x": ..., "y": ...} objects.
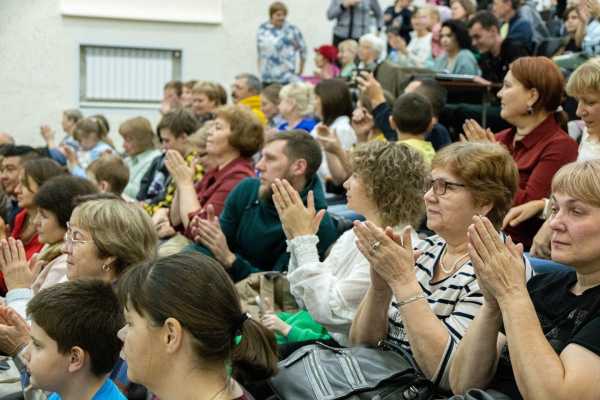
[{"x": 542, "y": 74}]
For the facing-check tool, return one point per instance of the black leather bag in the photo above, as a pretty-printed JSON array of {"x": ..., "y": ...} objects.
[{"x": 320, "y": 372}]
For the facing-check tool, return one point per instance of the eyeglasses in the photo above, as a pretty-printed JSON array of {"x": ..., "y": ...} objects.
[
  {"x": 69, "y": 241},
  {"x": 440, "y": 185}
]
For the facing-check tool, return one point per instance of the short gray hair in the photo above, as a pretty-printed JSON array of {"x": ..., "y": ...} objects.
[
  {"x": 252, "y": 81},
  {"x": 376, "y": 43}
]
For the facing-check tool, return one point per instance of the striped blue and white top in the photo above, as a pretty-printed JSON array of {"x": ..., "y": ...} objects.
[{"x": 455, "y": 300}]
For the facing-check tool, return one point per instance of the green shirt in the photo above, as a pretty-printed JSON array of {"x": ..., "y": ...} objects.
[
  {"x": 303, "y": 326},
  {"x": 254, "y": 233}
]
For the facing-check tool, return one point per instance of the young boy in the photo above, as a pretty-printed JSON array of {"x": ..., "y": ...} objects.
[
  {"x": 412, "y": 118},
  {"x": 110, "y": 174},
  {"x": 74, "y": 344}
]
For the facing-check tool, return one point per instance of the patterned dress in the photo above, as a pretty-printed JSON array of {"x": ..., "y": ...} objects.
[{"x": 278, "y": 49}]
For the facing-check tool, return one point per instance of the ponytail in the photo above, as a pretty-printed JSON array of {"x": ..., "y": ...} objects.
[
  {"x": 562, "y": 119},
  {"x": 255, "y": 357}
]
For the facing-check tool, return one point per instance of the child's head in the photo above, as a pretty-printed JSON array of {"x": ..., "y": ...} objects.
[
  {"x": 348, "y": 50},
  {"x": 74, "y": 329},
  {"x": 69, "y": 119},
  {"x": 412, "y": 114},
  {"x": 88, "y": 132},
  {"x": 110, "y": 173},
  {"x": 174, "y": 129}
]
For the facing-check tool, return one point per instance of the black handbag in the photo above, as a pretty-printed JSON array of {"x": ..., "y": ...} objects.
[{"x": 321, "y": 372}]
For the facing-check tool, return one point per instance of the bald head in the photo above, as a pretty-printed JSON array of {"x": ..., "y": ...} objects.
[{"x": 5, "y": 138}]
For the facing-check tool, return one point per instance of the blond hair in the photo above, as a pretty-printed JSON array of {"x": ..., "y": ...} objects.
[
  {"x": 581, "y": 180},
  {"x": 349, "y": 44},
  {"x": 488, "y": 171},
  {"x": 585, "y": 79},
  {"x": 213, "y": 91},
  {"x": 140, "y": 131},
  {"x": 302, "y": 94},
  {"x": 118, "y": 229},
  {"x": 394, "y": 176}
]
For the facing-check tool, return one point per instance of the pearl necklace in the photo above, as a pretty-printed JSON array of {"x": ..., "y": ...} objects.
[{"x": 459, "y": 261}]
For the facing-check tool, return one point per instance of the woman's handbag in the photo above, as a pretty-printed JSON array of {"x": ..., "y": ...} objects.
[
  {"x": 478, "y": 394},
  {"x": 321, "y": 372}
]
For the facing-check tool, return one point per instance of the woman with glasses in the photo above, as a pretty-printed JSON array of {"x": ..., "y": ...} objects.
[
  {"x": 423, "y": 299},
  {"x": 386, "y": 188}
]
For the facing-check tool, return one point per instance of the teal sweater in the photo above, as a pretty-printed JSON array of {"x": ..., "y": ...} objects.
[{"x": 254, "y": 232}]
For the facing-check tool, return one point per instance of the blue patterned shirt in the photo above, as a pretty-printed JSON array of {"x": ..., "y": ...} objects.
[{"x": 277, "y": 52}]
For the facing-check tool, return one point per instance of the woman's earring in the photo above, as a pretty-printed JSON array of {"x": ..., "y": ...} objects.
[
  {"x": 529, "y": 110},
  {"x": 106, "y": 267}
]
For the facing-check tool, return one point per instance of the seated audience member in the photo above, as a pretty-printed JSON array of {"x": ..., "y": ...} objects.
[
  {"x": 236, "y": 136},
  {"x": 530, "y": 96},
  {"x": 186, "y": 94},
  {"x": 12, "y": 158},
  {"x": 398, "y": 16},
  {"x": 74, "y": 344},
  {"x": 33, "y": 174},
  {"x": 462, "y": 10},
  {"x": 296, "y": 107},
  {"x": 574, "y": 26},
  {"x": 412, "y": 118},
  {"x": 110, "y": 174},
  {"x": 347, "y": 53},
  {"x": 436, "y": 94},
  {"x": 458, "y": 57},
  {"x": 105, "y": 129},
  {"x": 419, "y": 48},
  {"x": 246, "y": 91},
  {"x": 386, "y": 188},
  {"x": 333, "y": 106},
  {"x": 397, "y": 53},
  {"x": 433, "y": 20},
  {"x": 269, "y": 105},
  {"x": 549, "y": 325},
  {"x": 6, "y": 138},
  {"x": 89, "y": 132},
  {"x": 69, "y": 119},
  {"x": 173, "y": 129},
  {"x": 248, "y": 237},
  {"x": 514, "y": 27},
  {"x": 104, "y": 237},
  {"x": 584, "y": 85},
  {"x": 171, "y": 100},
  {"x": 55, "y": 200},
  {"x": 496, "y": 52},
  {"x": 139, "y": 145},
  {"x": 371, "y": 49},
  {"x": 591, "y": 40},
  {"x": 326, "y": 63},
  {"x": 161, "y": 301},
  {"x": 426, "y": 305},
  {"x": 206, "y": 98}
]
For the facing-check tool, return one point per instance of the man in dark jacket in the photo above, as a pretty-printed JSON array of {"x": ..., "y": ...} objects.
[{"x": 249, "y": 237}]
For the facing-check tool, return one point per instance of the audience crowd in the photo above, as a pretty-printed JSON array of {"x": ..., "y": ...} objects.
[{"x": 433, "y": 184}]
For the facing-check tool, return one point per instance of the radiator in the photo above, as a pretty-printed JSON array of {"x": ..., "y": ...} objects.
[{"x": 121, "y": 74}]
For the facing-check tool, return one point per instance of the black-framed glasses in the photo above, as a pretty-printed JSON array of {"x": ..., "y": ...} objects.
[{"x": 440, "y": 185}]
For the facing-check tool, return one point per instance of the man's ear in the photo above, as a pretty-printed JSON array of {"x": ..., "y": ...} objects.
[
  {"x": 172, "y": 335},
  {"x": 298, "y": 167},
  {"x": 77, "y": 359}
]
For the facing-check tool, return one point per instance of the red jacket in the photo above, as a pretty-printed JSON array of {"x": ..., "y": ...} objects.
[
  {"x": 216, "y": 185},
  {"x": 31, "y": 247},
  {"x": 539, "y": 155}
]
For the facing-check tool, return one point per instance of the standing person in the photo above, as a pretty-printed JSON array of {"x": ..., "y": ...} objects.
[
  {"x": 353, "y": 18},
  {"x": 398, "y": 16},
  {"x": 280, "y": 46}
]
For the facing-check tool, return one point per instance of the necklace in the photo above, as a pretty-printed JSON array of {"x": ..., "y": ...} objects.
[{"x": 458, "y": 262}]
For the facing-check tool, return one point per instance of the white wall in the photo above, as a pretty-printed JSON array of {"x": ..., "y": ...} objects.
[{"x": 39, "y": 54}]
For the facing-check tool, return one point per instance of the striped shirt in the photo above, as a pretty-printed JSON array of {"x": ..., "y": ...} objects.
[{"x": 455, "y": 300}]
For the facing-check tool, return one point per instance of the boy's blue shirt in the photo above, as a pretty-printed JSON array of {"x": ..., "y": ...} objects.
[{"x": 108, "y": 391}]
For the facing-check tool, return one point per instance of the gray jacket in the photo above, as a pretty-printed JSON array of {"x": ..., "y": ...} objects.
[{"x": 361, "y": 17}]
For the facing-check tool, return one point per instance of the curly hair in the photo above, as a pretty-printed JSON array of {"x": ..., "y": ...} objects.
[{"x": 394, "y": 176}]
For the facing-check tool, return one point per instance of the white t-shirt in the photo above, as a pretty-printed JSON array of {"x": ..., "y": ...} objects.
[{"x": 589, "y": 148}]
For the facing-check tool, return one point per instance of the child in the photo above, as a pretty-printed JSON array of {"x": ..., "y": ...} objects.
[
  {"x": 348, "y": 50},
  {"x": 69, "y": 120},
  {"x": 89, "y": 132},
  {"x": 412, "y": 118},
  {"x": 110, "y": 174},
  {"x": 74, "y": 344}
]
